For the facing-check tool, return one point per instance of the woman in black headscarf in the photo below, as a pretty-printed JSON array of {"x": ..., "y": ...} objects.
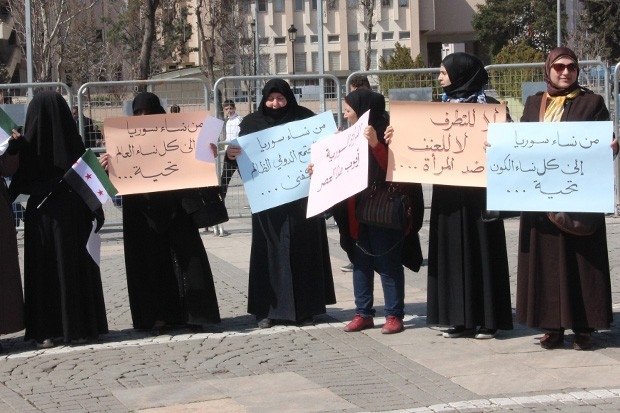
[
  {"x": 375, "y": 248},
  {"x": 468, "y": 278},
  {"x": 563, "y": 280},
  {"x": 62, "y": 283},
  {"x": 290, "y": 270},
  {"x": 169, "y": 278}
]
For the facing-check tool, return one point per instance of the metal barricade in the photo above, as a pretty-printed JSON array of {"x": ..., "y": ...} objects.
[{"x": 100, "y": 100}]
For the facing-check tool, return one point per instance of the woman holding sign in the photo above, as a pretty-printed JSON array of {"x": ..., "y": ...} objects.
[
  {"x": 375, "y": 247},
  {"x": 290, "y": 270},
  {"x": 468, "y": 280},
  {"x": 563, "y": 279},
  {"x": 169, "y": 278}
]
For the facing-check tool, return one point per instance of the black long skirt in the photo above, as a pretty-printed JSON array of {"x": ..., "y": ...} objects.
[
  {"x": 290, "y": 269},
  {"x": 62, "y": 283},
  {"x": 468, "y": 277}
]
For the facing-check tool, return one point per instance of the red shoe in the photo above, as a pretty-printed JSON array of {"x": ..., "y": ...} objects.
[
  {"x": 359, "y": 323},
  {"x": 392, "y": 325}
]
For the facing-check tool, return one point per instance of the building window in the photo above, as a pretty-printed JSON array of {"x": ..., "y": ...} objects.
[
  {"x": 299, "y": 5},
  {"x": 264, "y": 64},
  {"x": 387, "y": 54},
  {"x": 300, "y": 39},
  {"x": 354, "y": 60},
  {"x": 281, "y": 63},
  {"x": 279, "y": 40},
  {"x": 373, "y": 36},
  {"x": 333, "y": 38},
  {"x": 387, "y": 36},
  {"x": 403, "y": 3},
  {"x": 262, "y": 5},
  {"x": 300, "y": 63},
  {"x": 353, "y": 37},
  {"x": 278, "y": 6},
  {"x": 386, "y": 2},
  {"x": 314, "y": 38},
  {"x": 313, "y": 4},
  {"x": 352, "y": 4},
  {"x": 373, "y": 60},
  {"x": 333, "y": 61},
  {"x": 263, "y": 41},
  {"x": 315, "y": 61},
  {"x": 404, "y": 35}
]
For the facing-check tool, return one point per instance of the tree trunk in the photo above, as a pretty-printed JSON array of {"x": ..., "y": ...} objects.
[{"x": 147, "y": 39}]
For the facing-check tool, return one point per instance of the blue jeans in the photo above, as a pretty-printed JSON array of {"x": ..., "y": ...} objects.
[{"x": 376, "y": 241}]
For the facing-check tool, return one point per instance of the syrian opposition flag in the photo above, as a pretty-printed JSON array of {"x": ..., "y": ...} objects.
[
  {"x": 90, "y": 181},
  {"x": 6, "y": 128}
]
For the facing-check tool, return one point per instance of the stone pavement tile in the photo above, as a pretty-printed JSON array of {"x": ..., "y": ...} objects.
[
  {"x": 167, "y": 395},
  {"x": 219, "y": 406}
]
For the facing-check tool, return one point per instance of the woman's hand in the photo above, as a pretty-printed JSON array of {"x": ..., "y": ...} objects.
[
  {"x": 371, "y": 135},
  {"x": 233, "y": 151},
  {"x": 213, "y": 149},
  {"x": 309, "y": 169},
  {"x": 15, "y": 134},
  {"x": 614, "y": 146},
  {"x": 104, "y": 161},
  {"x": 389, "y": 133}
]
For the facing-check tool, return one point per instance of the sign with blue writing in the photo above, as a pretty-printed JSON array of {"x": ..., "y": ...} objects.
[
  {"x": 550, "y": 166},
  {"x": 273, "y": 162}
]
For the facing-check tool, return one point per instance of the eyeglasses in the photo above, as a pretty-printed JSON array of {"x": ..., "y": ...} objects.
[{"x": 559, "y": 67}]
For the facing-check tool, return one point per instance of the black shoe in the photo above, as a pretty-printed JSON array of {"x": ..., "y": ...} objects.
[
  {"x": 458, "y": 331},
  {"x": 308, "y": 321},
  {"x": 47, "y": 343},
  {"x": 265, "y": 323},
  {"x": 485, "y": 333}
]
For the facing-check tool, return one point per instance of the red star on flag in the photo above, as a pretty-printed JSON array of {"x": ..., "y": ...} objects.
[
  {"x": 100, "y": 192},
  {"x": 88, "y": 176}
]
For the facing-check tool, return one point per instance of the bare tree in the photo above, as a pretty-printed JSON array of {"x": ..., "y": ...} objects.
[
  {"x": 148, "y": 38},
  {"x": 368, "y": 13},
  {"x": 50, "y": 26},
  {"x": 223, "y": 32}
]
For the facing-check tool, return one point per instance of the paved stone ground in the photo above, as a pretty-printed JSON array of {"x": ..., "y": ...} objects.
[{"x": 234, "y": 367}]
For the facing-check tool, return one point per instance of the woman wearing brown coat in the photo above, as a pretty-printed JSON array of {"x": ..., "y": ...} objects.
[{"x": 563, "y": 280}]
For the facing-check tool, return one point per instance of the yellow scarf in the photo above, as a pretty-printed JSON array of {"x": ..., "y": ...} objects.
[{"x": 555, "y": 108}]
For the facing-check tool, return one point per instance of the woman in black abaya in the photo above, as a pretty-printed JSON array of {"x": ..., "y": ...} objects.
[
  {"x": 468, "y": 280},
  {"x": 290, "y": 270},
  {"x": 169, "y": 278},
  {"x": 62, "y": 283}
]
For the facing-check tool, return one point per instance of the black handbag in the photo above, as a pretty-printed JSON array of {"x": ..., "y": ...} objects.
[
  {"x": 205, "y": 206},
  {"x": 384, "y": 205},
  {"x": 576, "y": 223}
]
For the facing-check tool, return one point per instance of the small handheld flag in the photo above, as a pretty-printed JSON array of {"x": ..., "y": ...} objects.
[
  {"x": 6, "y": 129},
  {"x": 88, "y": 178}
]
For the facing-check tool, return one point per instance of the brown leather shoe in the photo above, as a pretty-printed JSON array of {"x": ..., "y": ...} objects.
[
  {"x": 392, "y": 325},
  {"x": 582, "y": 341},
  {"x": 359, "y": 323},
  {"x": 552, "y": 339}
]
